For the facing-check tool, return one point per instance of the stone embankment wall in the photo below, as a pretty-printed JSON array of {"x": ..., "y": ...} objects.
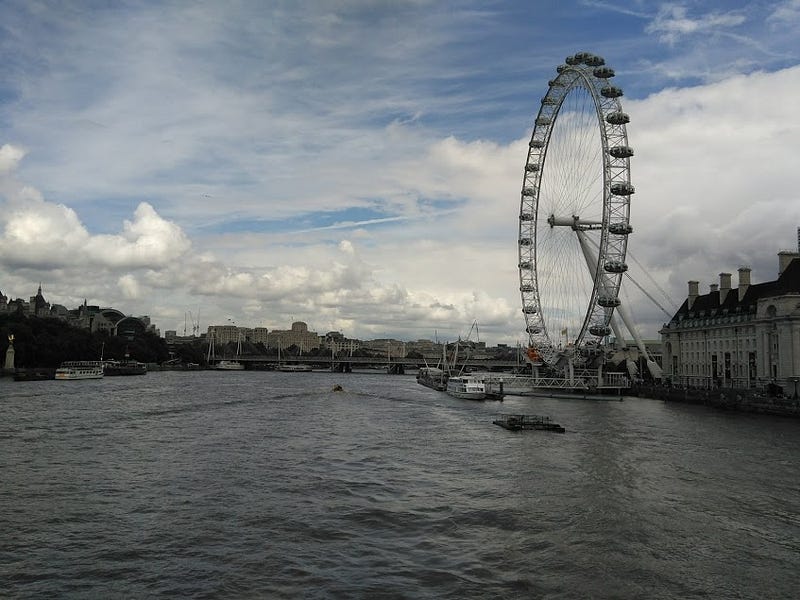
[{"x": 751, "y": 401}]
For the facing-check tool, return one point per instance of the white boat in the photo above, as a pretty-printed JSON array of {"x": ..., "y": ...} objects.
[
  {"x": 294, "y": 368},
  {"x": 291, "y": 367},
  {"x": 225, "y": 364},
  {"x": 229, "y": 365},
  {"x": 466, "y": 387},
  {"x": 80, "y": 369}
]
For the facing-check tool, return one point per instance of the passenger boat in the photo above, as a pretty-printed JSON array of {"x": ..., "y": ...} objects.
[
  {"x": 493, "y": 384},
  {"x": 432, "y": 377},
  {"x": 229, "y": 365},
  {"x": 291, "y": 367},
  {"x": 466, "y": 387},
  {"x": 225, "y": 364},
  {"x": 294, "y": 368},
  {"x": 124, "y": 367},
  {"x": 80, "y": 369}
]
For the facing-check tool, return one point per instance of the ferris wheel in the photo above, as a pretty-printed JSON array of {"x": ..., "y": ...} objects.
[{"x": 574, "y": 219}]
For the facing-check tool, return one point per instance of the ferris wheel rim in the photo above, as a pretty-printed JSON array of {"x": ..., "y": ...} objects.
[{"x": 582, "y": 72}]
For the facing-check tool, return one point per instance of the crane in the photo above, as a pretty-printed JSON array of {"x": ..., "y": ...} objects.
[{"x": 195, "y": 323}]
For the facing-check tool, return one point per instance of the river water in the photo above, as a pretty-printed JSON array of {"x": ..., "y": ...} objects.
[{"x": 271, "y": 485}]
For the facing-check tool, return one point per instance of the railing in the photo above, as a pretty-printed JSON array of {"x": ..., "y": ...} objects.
[{"x": 517, "y": 384}]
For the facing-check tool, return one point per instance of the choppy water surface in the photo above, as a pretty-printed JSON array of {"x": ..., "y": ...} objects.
[{"x": 271, "y": 485}]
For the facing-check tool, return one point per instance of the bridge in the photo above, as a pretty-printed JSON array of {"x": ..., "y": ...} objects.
[
  {"x": 509, "y": 372},
  {"x": 395, "y": 365}
]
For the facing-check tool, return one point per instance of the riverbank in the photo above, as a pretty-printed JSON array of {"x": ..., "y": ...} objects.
[{"x": 742, "y": 400}]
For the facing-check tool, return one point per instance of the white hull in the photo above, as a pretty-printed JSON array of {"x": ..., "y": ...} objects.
[
  {"x": 74, "y": 370},
  {"x": 229, "y": 365},
  {"x": 468, "y": 395},
  {"x": 466, "y": 388},
  {"x": 294, "y": 368}
]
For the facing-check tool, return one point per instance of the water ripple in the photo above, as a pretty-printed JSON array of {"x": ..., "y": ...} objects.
[{"x": 260, "y": 484}]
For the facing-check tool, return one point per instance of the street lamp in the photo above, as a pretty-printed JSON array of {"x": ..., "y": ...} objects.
[{"x": 794, "y": 380}]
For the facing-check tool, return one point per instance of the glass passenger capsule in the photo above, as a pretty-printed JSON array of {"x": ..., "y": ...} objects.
[
  {"x": 608, "y": 301},
  {"x": 618, "y": 118},
  {"x": 615, "y": 266},
  {"x": 620, "y": 228},
  {"x": 611, "y": 91},
  {"x": 622, "y": 188},
  {"x": 603, "y": 72},
  {"x": 621, "y": 151}
]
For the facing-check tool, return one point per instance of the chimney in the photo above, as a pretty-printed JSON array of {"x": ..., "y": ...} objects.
[
  {"x": 744, "y": 281},
  {"x": 724, "y": 286},
  {"x": 693, "y": 292},
  {"x": 784, "y": 258},
  {"x": 713, "y": 287}
]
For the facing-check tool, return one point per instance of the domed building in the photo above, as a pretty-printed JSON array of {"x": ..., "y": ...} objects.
[
  {"x": 298, "y": 335},
  {"x": 131, "y": 327},
  {"x": 110, "y": 321}
]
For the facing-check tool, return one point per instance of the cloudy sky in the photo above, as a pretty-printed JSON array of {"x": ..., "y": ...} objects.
[{"x": 357, "y": 164}]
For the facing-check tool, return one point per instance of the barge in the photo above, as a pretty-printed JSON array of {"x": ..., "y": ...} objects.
[{"x": 528, "y": 422}]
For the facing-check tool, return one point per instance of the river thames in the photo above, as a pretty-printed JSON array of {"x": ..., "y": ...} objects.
[{"x": 271, "y": 485}]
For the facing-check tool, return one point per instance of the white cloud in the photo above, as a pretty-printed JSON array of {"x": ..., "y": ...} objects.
[
  {"x": 353, "y": 173},
  {"x": 711, "y": 176},
  {"x": 129, "y": 287},
  {"x": 40, "y": 234},
  {"x": 673, "y": 23},
  {"x": 785, "y": 14},
  {"x": 10, "y": 157},
  {"x": 43, "y": 235},
  {"x": 147, "y": 241}
]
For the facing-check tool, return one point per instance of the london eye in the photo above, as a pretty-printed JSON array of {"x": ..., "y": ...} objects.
[{"x": 574, "y": 218}]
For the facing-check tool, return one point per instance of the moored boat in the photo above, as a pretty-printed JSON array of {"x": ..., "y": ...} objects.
[
  {"x": 224, "y": 364},
  {"x": 294, "y": 368},
  {"x": 229, "y": 365},
  {"x": 432, "y": 377},
  {"x": 80, "y": 369},
  {"x": 22, "y": 374},
  {"x": 527, "y": 423},
  {"x": 466, "y": 387},
  {"x": 124, "y": 367}
]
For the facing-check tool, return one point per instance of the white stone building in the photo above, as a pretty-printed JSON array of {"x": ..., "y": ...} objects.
[
  {"x": 747, "y": 336},
  {"x": 298, "y": 335}
]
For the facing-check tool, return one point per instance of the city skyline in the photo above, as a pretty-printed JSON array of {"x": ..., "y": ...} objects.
[
  {"x": 192, "y": 328},
  {"x": 358, "y": 166}
]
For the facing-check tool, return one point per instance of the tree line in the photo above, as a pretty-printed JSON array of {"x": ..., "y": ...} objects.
[{"x": 46, "y": 343}]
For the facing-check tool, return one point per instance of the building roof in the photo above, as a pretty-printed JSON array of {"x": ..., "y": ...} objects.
[{"x": 709, "y": 304}]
